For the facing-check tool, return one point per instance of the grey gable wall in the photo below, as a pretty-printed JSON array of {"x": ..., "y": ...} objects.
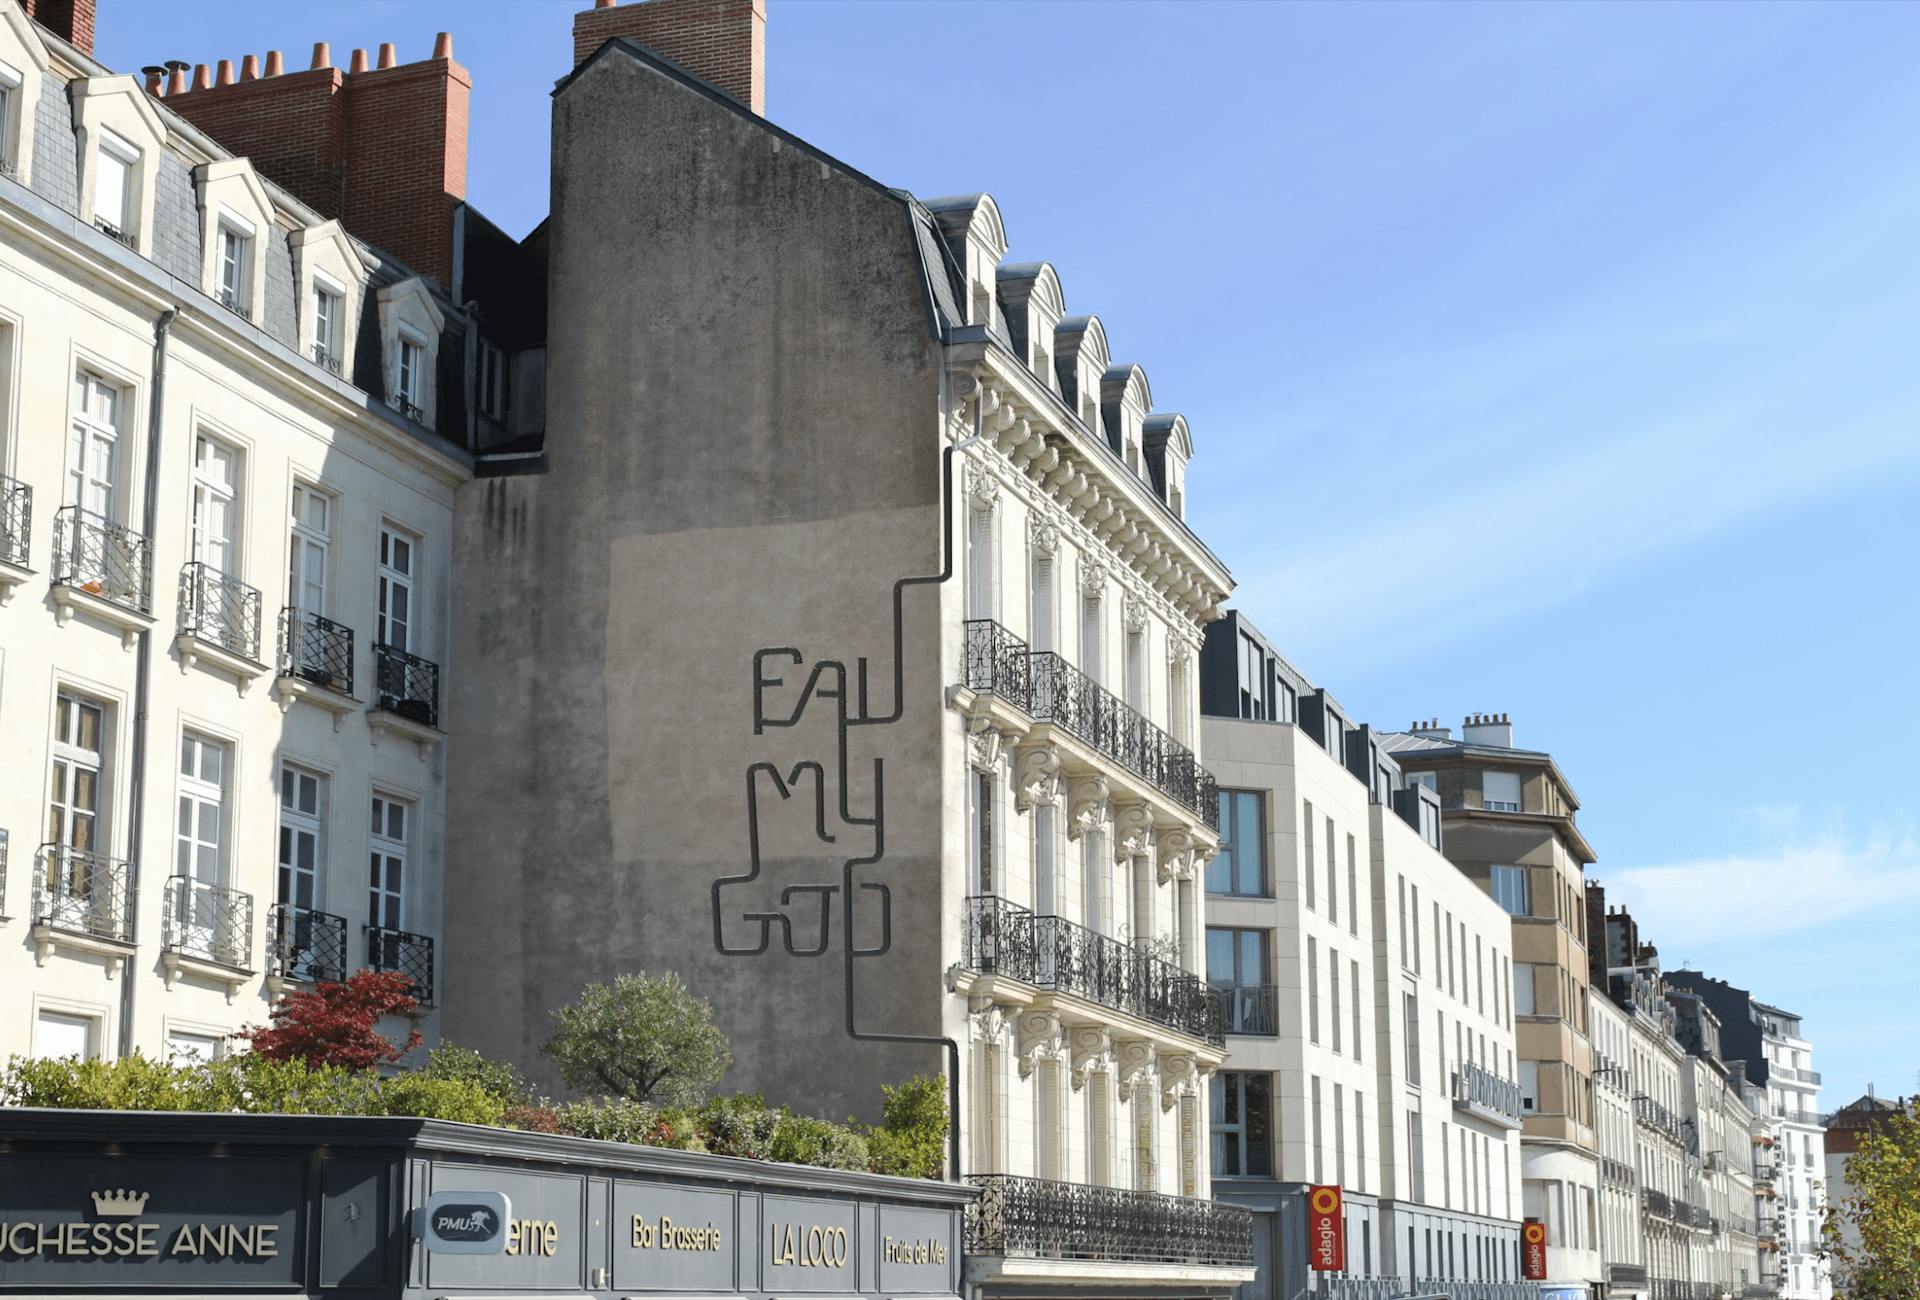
[
  {"x": 56, "y": 150},
  {"x": 742, "y": 429}
]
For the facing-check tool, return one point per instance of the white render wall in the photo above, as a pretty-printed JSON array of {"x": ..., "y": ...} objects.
[{"x": 58, "y": 313}]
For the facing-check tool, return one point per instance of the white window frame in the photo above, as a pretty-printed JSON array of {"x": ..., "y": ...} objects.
[
  {"x": 210, "y": 494},
  {"x": 306, "y": 541},
  {"x": 196, "y": 795},
  {"x": 23, "y": 61},
  {"x": 66, "y": 757},
  {"x": 408, "y": 314},
  {"x": 389, "y": 860},
  {"x": 89, "y": 1024},
  {"x": 1501, "y": 805},
  {"x": 327, "y": 300},
  {"x": 90, "y": 433},
  {"x": 12, "y": 84},
  {"x": 296, "y": 824},
  {"x": 233, "y": 263},
  {"x": 178, "y": 1035},
  {"x": 125, "y": 158},
  {"x": 393, "y": 579},
  {"x": 411, "y": 355}
]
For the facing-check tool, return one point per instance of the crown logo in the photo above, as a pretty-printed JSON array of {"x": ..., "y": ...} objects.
[{"x": 120, "y": 1203}]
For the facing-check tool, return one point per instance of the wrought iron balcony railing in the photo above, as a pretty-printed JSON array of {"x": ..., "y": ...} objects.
[
  {"x": 1483, "y": 1088},
  {"x": 83, "y": 893},
  {"x": 306, "y": 945},
  {"x": 1049, "y": 689},
  {"x": 220, "y": 610},
  {"x": 102, "y": 559},
  {"x": 410, "y": 954},
  {"x": 1247, "y": 1008},
  {"x": 326, "y": 358},
  {"x": 1359, "y": 1288},
  {"x": 412, "y": 411},
  {"x": 206, "y": 921},
  {"x": 1048, "y": 952},
  {"x": 316, "y": 649},
  {"x": 406, "y": 684},
  {"x": 1657, "y": 1117},
  {"x": 1474, "y": 1290},
  {"x": 16, "y": 520},
  {"x": 112, "y": 231},
  {"x": 233, "y": 302},
  {"x": 1037, "y": 1218}
]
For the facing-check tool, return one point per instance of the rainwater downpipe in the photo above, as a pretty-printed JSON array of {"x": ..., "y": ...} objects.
[{"x": 143, "y": 679}]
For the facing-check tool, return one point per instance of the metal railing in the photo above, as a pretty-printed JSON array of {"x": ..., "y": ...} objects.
[
  {"x": 102, "y": 559},
  {"x": 1247, "y": 1008},
  {"x": 406, "y": 684},
  {"x": 1484, "y": 1088},
  {"x": 16, "y": 520},
  {"x": 233, "y": 302},
  {"x": 220, "y": 610},
  {"x": 1790, "y": 1072},
  {"x": 207, "y": 921},
  {"x": 1359, "y": 1288},
  {"x": 1616, "y": 1172},
  {"x": 1037, "y": 1218},
  {"x": 1004, "y": 938},
  {"x": 316, "y": 649},
  {"x": 415, "y": 413},
  {"x": 325, "y": 357},
  {"x": 1657, "y": 1203},
  {"x": 1049, "y": 689},
  {"x": 112, "y": 231},
  {"x": 1476, "y": 1290},
  {"x": 306, "y": 945},
  {"x": 1656, "y": 1116},
  {"x": 83, "y": 893},
  {"x": 410, "y": 954}
]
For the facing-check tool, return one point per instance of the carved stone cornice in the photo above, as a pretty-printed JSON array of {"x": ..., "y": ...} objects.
[
  {"x": 1036, "y": 776},
  {"x": 1087, "y": 808},
  {"x": 1039, "y": 1037},
  {"x": 1132, "y": 831}
]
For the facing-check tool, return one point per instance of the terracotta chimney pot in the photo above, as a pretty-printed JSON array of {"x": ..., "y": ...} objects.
[
  {"x": 388, "y": 58},
  {"x": 443, "y": 45},
  {"x": 275, "y": 65},
  {"x": 250, "y": 68},
  {"x": 322, "y": 55},
  {"x": 359, "y": 62}
]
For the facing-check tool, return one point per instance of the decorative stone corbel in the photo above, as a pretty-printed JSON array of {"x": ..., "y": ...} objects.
[
  {"x": 1087, "y": 806},
  {"x": 1037, "y": 776},
  {"x": 986, "y": 746},
  {"x": 1178, "y": 1075},
  {"x": 1173, "y": 853},
  {"x": 1133, "y": 613},
  {"x": 1091, "y": 1053},
  {"x": 1043, "y": 535},
  {"x": 1038, "y": 1039},
  {"x": 1133, "y": 831},
  {"x": 983, "y": 489},
  {"x": 1093, "y": 578},
  {"x": 988, "y": 1023},
  {"x": 1136, "y": 1064}
]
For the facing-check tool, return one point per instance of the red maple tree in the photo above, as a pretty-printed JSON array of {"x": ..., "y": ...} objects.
[{"x": 335, "y": 1024}]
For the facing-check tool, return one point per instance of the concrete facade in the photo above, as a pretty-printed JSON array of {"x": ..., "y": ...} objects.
[{"x": 185, "y": 832}]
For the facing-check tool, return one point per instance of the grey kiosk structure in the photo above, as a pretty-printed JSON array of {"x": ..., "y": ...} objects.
[{"x": 125, "y": 1203}]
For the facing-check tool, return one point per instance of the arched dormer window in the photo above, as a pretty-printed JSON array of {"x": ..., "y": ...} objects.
[
  {"x": 977, "y": 239},
  {"x": 328, "y": 273},
  {"x": 23, "y": 64},
  {"x": 236, "y": 221},
  {"x": 1080, "y": 358},
  {"x": 1030, "y": 295},
  {"x": 120, "y": 139},
  {"x": 1125, "y": 400},
  {"x": 1169, "y": 446}
]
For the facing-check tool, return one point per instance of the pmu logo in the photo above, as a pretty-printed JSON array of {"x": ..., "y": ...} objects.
[{"x": 465, "y": 1223}]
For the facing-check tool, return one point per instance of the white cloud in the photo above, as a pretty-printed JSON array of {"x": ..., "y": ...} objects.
[{"x": 1798, "y": 887}]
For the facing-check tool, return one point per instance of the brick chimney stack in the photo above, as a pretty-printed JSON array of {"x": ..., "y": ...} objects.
[
  {"x": 70, "y": 20},
  {"x": 720, "y": 41},
  {"x": 383, "y": 149}
]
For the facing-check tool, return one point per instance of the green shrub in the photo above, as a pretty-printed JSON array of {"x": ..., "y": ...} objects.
[
  {"x": 450, "y": 1061},
  {"x": 423, "y": 1097},
  {"x": 912, "y": 1138},
  {"x": 803, "y": 1140},
  {"x": 741, "y": 1125},
  {"x": 133, "y": 1083},
  {"x": 646, "y": 1038},
  {"x": 611, "y": 1119}
]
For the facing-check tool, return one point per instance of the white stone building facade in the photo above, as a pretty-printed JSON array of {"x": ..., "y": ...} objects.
[{"x": 224, "y": 579}]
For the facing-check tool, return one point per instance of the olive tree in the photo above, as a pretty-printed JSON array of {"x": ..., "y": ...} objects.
[
  {"x": 645, "y": 1038},
  {"x": 1873, "y": 1235}
]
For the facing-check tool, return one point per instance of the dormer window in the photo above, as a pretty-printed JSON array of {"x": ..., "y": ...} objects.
[
  {"x": 114, "y": 184},
  {"x": 493, "y": 380},
  {"x": 236, "y": 244},
  {"x": 407, "y": 390},
  {"x": 326, "y": 325},
  {"x": 11, "y": 105}
]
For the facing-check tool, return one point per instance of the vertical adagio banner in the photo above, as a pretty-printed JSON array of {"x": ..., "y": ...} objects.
[
  {"x": 1326, "y": 1230},
  {"x": 1533, "y": 1250}
]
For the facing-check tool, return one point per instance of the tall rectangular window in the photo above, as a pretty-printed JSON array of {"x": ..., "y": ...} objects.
[
  {"x": 232, "y": 288},
  {"x": 9, "y": 99},
  {"x": 75, "y": 805},
  {"x": 326, "y": 327},
  {"x": 1412, "y": 1021},
  {"x": 1415, "y": 892},
  {"x": 395, "y": 624},
  {"x": 1333, "y": 988},
  {"x": 1333, "y": 881},
  {"x": 312, "y": 536},
  {"x": 1529, "y": 1087},
  {"x": 1359, "y": 1140},
  {"x": 981, "y": 838},
  {"x": 302, "y": 818},
  {"x": 1313, "y": 990},
  {"x": 1523, "y": 988},
  {"x": 1353, "y": 890},
  {"x": 1353, "y": 1003},
  {"x": 1319, "y": 1146},
  {"x": 1406, "y": 953},
  {"x": 1134, "y": 683},
  {"x": 1241, "y": 865},
  {"x": 980, "y": 560},
  {"x": 387, "y": 867},
  {"x": 1340, "y": 1136},
  {"x": 93, "y": 455},
  {"x": 1307, "y": 865},
  {"x": 216, "y": 486},
  {"x": 113, "y": 183},
  {"x": 1040, "y": 626},
  {"x": 1417, "y": 1158},
  {"x": 411, "y": 357},
  {"x": 1046, "y": 859},
  {"x": 1092, "y": 657},
  {"x": 493, "y": 380},
  {"x": 201, "y": 824},
  {"x": 1242, "y": 1125},
  {"x": 1510, "y": 889}
]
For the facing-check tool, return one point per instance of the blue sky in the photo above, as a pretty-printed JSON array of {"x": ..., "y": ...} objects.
[{"x": 1555, "y": 359}]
